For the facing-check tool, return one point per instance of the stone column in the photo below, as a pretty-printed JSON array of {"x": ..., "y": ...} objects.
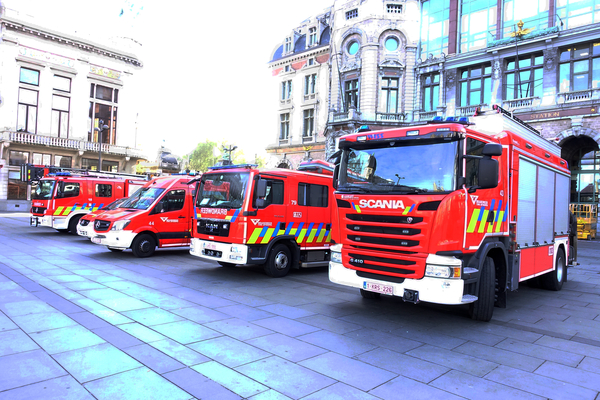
[
  {"x": 410, "y": 83},
  {"x": 550, "y": 77},
  {"x": 369, "y": 81}
]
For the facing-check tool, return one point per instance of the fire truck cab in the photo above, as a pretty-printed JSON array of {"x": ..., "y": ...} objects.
[
  {"x": 158, "y": 215},
  {"x": 278, "y": 218},
  {"x": 451, "y": 213},
  {"x": 60, "y": 199}
]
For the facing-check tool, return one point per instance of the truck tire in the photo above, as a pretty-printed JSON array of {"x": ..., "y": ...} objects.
[
  {"x": 483, "y": 308},
  {"x": 73, "y": 224},
  {"x": 553, "y": 280},
  {"x": 279, "y": 261},
  {"x": 143, "y": 245},
  {"x": 369, "y": 295}
]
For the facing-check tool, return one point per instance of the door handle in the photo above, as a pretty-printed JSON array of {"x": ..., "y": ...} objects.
[{"x": 181, "y": 216}]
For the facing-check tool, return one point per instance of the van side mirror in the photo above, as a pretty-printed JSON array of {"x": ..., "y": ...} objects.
[{"x": 158, "y": 208}]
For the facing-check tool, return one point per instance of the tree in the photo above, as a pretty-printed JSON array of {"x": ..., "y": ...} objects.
[{"x": 203, "y": 156}]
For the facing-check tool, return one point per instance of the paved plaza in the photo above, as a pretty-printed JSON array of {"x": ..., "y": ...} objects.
[{"x": 78, "y": 321}]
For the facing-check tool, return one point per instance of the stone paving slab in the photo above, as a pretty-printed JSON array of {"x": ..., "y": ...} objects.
[
  {"x": 140, "y": 383},
  {"x": 185, "y": 328}
]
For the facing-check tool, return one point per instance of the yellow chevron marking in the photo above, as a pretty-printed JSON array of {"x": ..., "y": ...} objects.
[
  {"x": 58, "y": 210},
  {"x": 499, "y": 223},
  {"x": 268, "y": 235},
  {"x": 301, "y": 236},
  {"x": 473, "y": 221},
  {"x": 311, "y": 237},
  {"x": 483, "y": 221},
  {"x": 321, "y": 236},
  {"x": 254, "y": 235}
]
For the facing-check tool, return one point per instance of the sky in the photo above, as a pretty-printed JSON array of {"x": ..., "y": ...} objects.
[{"x": 205, "y": 72}]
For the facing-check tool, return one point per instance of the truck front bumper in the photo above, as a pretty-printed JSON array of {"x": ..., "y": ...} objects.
[
  {"x": 428, "y": 289},
  {"x": 49, "y": 221},
  {"x": 115, "y": 239},
  {"x": 216, "y": 251}
]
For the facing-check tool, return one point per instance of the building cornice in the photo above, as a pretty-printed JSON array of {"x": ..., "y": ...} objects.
[
  {"x": 34, "y": 30},
  {"x": 300, "y": 56}
]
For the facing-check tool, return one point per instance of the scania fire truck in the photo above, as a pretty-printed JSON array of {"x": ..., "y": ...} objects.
[
  {"x": 458, "y": 212},
  {"x": 278, "y": 218},
  {"x": 158, "y": 215},
  {"x": 60, "y": 199}
]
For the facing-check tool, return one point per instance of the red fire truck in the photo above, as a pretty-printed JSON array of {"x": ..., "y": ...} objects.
[
  {"x": 278, "y": 218},
  {"x": 60, "y": 199},
  {"x": 157, "y": 215},
  {"x": 452, "y": 213}
]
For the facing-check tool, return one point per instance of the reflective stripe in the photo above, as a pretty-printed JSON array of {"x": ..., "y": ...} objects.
[{"x": 58, "y": 210}]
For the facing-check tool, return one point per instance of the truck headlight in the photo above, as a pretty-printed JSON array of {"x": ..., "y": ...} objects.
[
  {"x": 336, "y": 253},
  {"x": 120, "y": 225},
  {"x": 442, "y": 271}
]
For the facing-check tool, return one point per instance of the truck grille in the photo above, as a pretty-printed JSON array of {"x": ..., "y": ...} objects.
[
  {"x": 101, "y": 226},
  {"x": 388, "y": 246},
  {"x": 213, "y": 227},
  {"x": 38, "y": 210}
]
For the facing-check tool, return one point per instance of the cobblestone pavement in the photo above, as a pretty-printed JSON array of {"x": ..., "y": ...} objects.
[{"x": 78, "y": 321}]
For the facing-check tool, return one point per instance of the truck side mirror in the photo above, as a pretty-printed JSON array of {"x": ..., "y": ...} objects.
[
  {"x": 492, "y": 149},
  {"x": 261, "y": 188},
  {"x": 488, "y": 172},
  {"x": 336, "y": 174}
]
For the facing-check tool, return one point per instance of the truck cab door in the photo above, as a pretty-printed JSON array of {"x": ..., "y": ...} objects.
[
  {"x": 271, "y": 216},
  {"x": 171, "y": 218},
  {"x": 314, "y": 200}
]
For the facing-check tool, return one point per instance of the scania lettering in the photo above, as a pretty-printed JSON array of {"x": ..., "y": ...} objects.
[
  {"x": 157, "y": 215},
  {"x": 278, "y": 218},
  {"x": 457, "y": 212}
]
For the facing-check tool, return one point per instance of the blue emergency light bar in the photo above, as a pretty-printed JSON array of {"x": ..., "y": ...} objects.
[{"x": 233, "y": 166}]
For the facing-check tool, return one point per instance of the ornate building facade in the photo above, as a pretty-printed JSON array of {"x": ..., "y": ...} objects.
[
  {"x": 403, "y": 62},
  {"x": 57, "y": 93},
  {"x": 539, "y": 60},
  {"x": 300, "y": 64}
]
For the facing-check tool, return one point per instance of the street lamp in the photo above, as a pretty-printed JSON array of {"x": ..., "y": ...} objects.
[{"x": 100, "y": 130}]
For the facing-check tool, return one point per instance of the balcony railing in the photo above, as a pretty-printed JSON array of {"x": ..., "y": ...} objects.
[
  {"x": 65, "y": 143},
  {"x": 521, "y": 103},
  {"x": 394, "y": 117},
  {"x": 468, "y": 111},
  {"x": 427, "y": 115},
  {"x": 578, "y": 95},
  {"x": 308, "y": 139}
]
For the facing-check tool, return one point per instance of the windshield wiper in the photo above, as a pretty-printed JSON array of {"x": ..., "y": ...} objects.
[
  {"x": 351, "y": 188},
  {"x": 412, "y": 189}
]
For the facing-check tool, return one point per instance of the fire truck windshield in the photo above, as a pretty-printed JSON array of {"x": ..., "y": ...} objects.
[
  {"x": 222, "y": 190},
  {"x": 42, "y": 190},
  {"x": 430, "y": 167},
  {"x": 142, "y": 199}
]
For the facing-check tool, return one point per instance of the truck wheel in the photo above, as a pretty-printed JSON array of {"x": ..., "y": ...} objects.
[
  {"x": 553, "y": 280},
  {"x": 73, "y": 224},
  {"x": 226, "y": 264},
  {"x": 369, "y": 295},
  {"x": 279, "y": 262},
  {"x": 483, "y": 308},
  {"x": 143, "y": 246}
]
